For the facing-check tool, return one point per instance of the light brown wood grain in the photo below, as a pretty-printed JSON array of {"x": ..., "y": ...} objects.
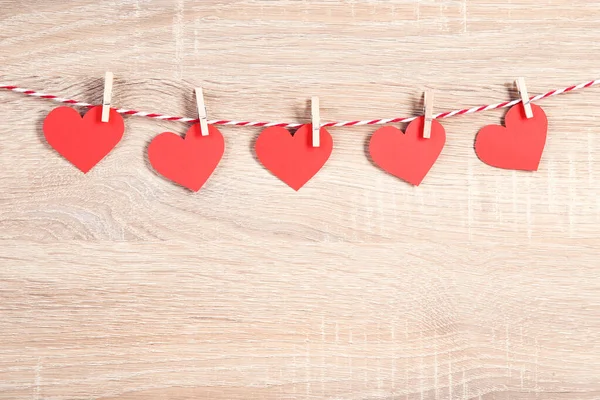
[{"x": 479, "y": 284}]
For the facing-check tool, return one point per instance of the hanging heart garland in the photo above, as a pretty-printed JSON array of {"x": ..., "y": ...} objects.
[{"x": 190, "y": 161}]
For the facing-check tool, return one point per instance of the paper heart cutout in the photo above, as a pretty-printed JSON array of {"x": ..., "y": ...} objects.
[
  {"x": 293, "y": 159},
  {"x": 409, "y": 156},
  {"x": 188, "y": 161},
  {"x": 83, "y": 141},
  {"x": 519, "y": 145}
]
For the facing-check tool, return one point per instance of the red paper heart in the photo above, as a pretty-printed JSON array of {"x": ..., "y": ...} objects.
[
  {"x": 519, "y": 145},
  {"x": 408, "y": 156},
  {"x": 293, "y": 159},
  {"x": 83, "y": 141},
  {"x": 190, "y": 161}
]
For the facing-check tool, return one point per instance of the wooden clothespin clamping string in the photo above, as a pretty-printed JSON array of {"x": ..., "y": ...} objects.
[
  {"x": 108, "y": 86},
  {"x": 316, "y": 122},
  {"x": 201, "y": 112},
  {"x": 522, "y": 88},
  {"x": 428, "y": 111}
]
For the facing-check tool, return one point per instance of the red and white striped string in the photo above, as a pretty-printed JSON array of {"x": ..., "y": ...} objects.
[{"x": 380, "y": 121}]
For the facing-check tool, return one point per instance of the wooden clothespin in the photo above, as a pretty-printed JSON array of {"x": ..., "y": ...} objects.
[
  {"x": 522, "y": 88},
  {"x": 316, "y": 122},
  {"x": 428, "y": 111},
  {"x": 108, "y": 86},
  {"x": 201, "y": 112}
]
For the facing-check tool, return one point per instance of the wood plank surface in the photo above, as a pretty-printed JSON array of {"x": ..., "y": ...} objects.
[{"x": 479, "y": 284}]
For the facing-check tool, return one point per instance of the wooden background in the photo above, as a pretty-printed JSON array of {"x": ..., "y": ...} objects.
[{"x": 480, "y": 284}]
